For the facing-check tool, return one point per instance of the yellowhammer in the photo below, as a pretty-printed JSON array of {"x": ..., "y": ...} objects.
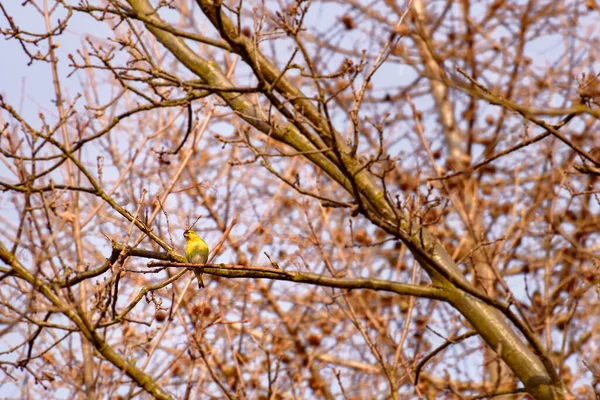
[{"x": 196, "y": 252}]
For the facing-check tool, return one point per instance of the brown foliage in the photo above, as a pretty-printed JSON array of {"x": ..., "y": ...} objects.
[{"x": 402, "y": 199}]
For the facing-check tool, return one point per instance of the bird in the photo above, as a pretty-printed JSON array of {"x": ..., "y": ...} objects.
[{"x": 196, "y": 252}]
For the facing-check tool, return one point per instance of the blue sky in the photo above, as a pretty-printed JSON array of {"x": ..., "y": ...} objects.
[{"x": 30, "y": 88}]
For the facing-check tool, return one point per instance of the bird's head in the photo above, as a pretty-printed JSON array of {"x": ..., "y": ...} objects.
[{"x": 190, "y": 235}]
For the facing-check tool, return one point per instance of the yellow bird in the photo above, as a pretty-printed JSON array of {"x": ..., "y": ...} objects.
[{"x": 196, "y": 252}]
